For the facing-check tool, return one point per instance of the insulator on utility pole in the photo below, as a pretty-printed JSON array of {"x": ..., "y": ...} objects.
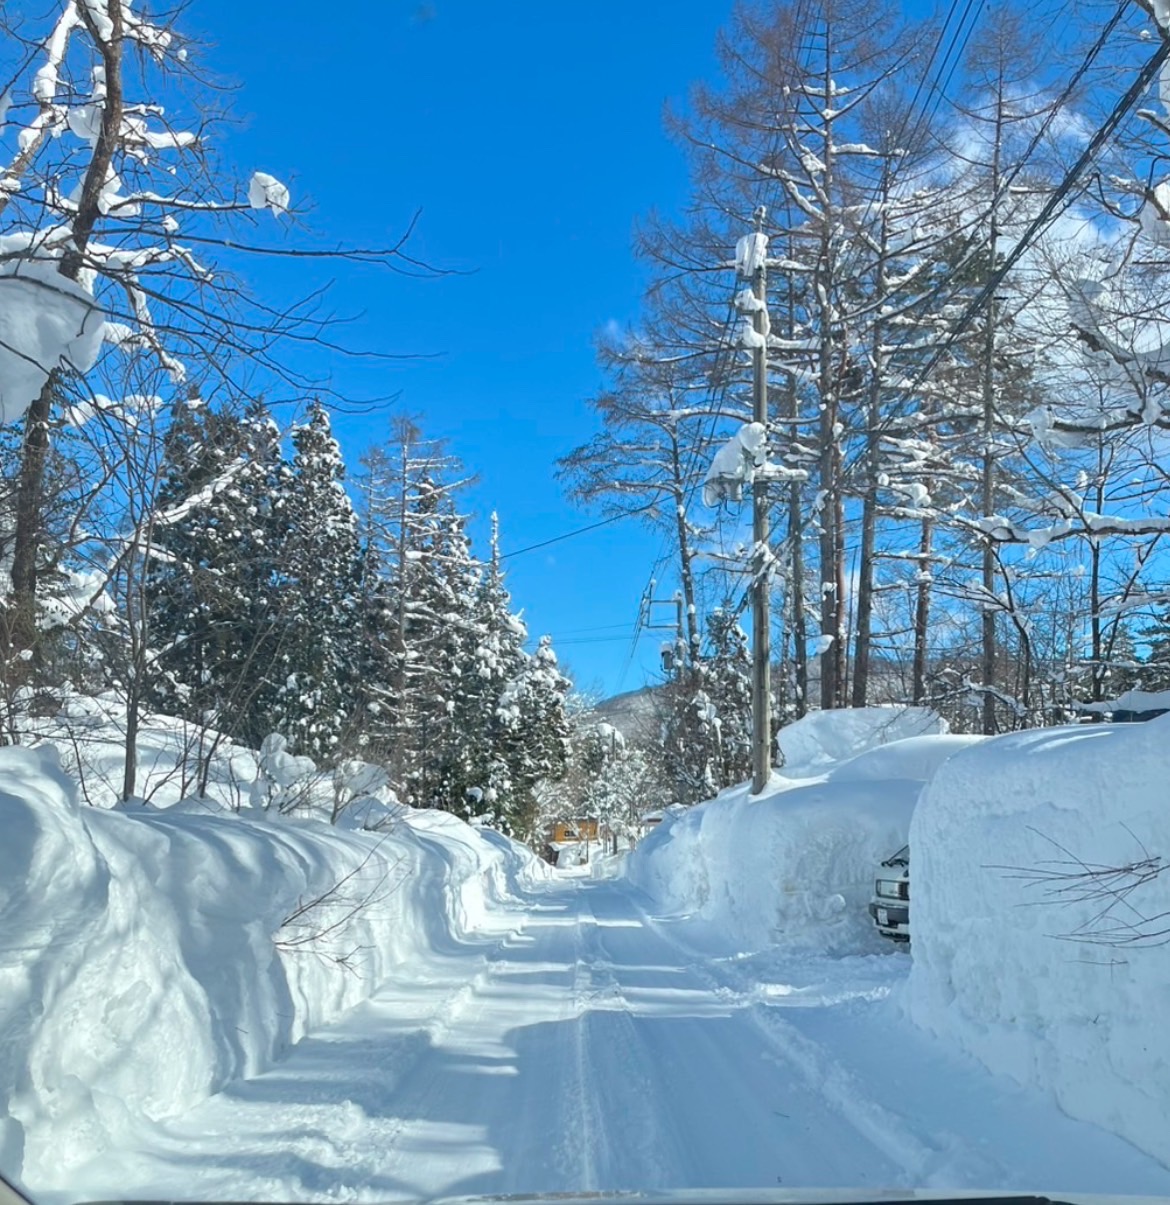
[{"x": 674, "y": 656}]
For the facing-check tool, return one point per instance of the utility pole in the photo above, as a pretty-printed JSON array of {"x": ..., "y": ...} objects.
[{"x": 761, "y": 617}]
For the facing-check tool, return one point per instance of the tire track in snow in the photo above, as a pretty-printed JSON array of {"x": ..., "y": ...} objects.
[
  {"x": 921, "y": 1162},
  {"x": 928, "y": 1158},
  {"x": 505, "y": 1104},
  {"x": 632, "y": 1144},
  {"x": 711, "y": 1112},
  {"x": 589, "y": 1129}
]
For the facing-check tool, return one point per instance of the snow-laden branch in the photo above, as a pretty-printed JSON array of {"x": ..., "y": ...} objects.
[{"x": 50, "y": 115}]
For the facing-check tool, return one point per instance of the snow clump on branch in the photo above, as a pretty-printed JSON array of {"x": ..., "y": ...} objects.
[
  {"x": 267, "y": 192},
  {"x": 46, "y": 322}
]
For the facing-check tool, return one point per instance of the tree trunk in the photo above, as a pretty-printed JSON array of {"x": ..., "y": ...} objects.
[
  {"x": 130, "y": 754},
  {"x": 832, "y": 515},
  {"x": 26, "y": 540},
  {"x": 869, "y": 505},
  {"x": 796, "y": 535},
  {"x": 922, "y": 613},
  {"x": 35, "y": 444},
  {"x": 1097, "y": 683},
  {"x": 685, "y": 570},
  {"x": 863, "y": 635}
]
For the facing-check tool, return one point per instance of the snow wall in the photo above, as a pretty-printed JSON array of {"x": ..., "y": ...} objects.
[
  {"x": 795, "y": 866},
  {"x": 149, "y": 957},
  {"x": 1045, "y": 979}
]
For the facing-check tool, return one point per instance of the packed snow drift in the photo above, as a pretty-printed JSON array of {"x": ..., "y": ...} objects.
[
  {"x": 1040, "y": 889},
  {"x": 1041, "y": 898},
  {"x": 795, "y": 866},
  {"x": 823, "y": 739},
  {"x": 151, "y": 956}
]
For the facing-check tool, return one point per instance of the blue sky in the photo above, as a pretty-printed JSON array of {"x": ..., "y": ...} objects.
[{"x": 530, "y": 137}]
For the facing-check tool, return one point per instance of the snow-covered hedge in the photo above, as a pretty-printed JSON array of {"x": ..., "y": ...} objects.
[
  {"x": 796, "y": 866},
  {"x": 997, "y": 967},
  {"x": 150, "y": 957}
]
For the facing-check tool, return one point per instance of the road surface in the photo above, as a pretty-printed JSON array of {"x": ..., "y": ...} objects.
[{"x": 579, "y": 1043}]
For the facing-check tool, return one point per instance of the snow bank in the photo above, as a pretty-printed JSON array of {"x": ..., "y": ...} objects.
[
  {"x": 1132, "y": 700},
  {"x": 152, "y": 956},
  {"x": 823, "y": 738},
  {"x": 795, "y": 866},
  {"x": 1081, "y": 1020},
  {"x": 917, "y": 758},
  {"x": 90, "y": 731}
]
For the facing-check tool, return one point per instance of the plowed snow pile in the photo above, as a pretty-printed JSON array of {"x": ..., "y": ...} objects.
[
  {"x": 1041, "y": 904},
  {"x": 150, "y": 957},
  {"x": 795, "y": 866},
  {"x": 824, "y": 739}
]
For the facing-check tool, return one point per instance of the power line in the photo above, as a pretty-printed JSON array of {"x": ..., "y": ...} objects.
[
  {"x": 565, "y": 640},
  {"x": 1010, "y": 178},
  {"x": 960, "y": 50},
  {"x": 908, "y": 134},
  {"x": 1089, "y": 59},
  {"x": 580, "y": 531},
  {"x": 1048, "y": 211},
  {"x": 605, "y": 627}
]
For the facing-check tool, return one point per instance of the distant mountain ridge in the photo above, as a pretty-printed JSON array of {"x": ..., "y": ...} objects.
[{"x": 632, "y": 713}]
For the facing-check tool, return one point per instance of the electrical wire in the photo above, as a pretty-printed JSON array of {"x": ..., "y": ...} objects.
[
  {"x": 1048, "y": 212},
  {"x": 1087, "y": 62},
  {"x": 960, "y": 49},
  {"x": 580, "y": 531}
]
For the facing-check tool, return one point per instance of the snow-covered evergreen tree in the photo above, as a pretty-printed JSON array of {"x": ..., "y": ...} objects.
[
  {"x": 727, "y": 677},
  {"x": 688, "y": 738},
  {"x": 438, "y": 585},
  {"x": 1155, "y": 666},
  {"x": 320, "y": 587},
  {"x": 534, "y": 710},
  {"x": 374, "y": 717},
  {"x": 212, "y": 586},
  {"x": 421, "y": 570},
  {"x": 482, "y": 774},
  {"x": 705, "y": 715}
]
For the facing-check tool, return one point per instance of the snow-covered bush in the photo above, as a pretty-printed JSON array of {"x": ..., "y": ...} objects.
[
  {"x": 1040, "y": 901},
  {"x": 283, "y": 779},
  {"x": 354, "y": 779}
]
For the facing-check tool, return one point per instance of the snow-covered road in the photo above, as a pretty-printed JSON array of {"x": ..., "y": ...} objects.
[{"x": 577, "y": 1043}]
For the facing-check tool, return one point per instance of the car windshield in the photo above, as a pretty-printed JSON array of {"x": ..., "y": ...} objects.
[{"x": 509, "y": 514}]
